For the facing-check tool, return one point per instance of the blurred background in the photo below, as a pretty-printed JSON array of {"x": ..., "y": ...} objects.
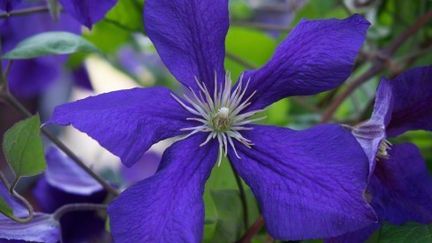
[{"x": 257, "y": 26}]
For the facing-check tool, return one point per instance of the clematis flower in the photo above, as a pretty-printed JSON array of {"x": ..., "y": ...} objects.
[
  {"x": 400, "y": 187},
  {"x": 306, "y": 182},
  {"x": 42, "y": 228}
]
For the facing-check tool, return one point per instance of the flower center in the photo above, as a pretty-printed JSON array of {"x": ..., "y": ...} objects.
[
  {"x": 221, "y": 121},
  {"x": 221, "y": 114}
]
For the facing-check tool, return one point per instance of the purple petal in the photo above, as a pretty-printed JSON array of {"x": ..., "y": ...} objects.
[
  {"x": 412, "y": 110},
  {"x": 18, "y": 209},
  {"x": 30, "y": 77},
  {"x": 401, "y": 187},
  {"x": 371, "y": 133},
  {"x": 309, "y": 184},
  {"x": 126, "y": 122},
  {"x": 43, "y": 228},
  {"x": 190, "y": 37},
  {"x": 167, "y": 207},
  {"x": 82, "y": 78},
  {"x": 8, "y": 5},
  {"x": 63, "y": 174},
  {"x": 318, "y": 55},
  {"x": 144, "y": 168},
  {"x": 88, "y": 12},
  {"x": 359, "y": 236},
  {"x": 50, "y": 198}
]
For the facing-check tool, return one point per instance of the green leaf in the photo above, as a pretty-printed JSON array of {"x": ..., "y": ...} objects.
[
  {"x": 4, "y": 208},
  {"x": 408, "y": 233},
  {"x": 50, "y": 43},
  {"x": 22, "y": 146}
]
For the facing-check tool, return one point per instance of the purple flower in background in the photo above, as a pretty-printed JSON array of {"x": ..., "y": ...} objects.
[
  {"x": 305, "y": 181},
  {"x": 64, "y": 183},
  {"x": 8, "y": 5},
  {"x": 87, "y": 12},
  {"x": 29, "y": 78},
  {"x": 42, "y": 228},
  {"x": 400, "y": 187}
]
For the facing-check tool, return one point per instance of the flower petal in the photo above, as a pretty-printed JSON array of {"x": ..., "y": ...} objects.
[
  {"x": 412, "y": 109},
  {"x": 309, "y": 183},
  {"x": 190, "y": 37},
  {"x": 144, "y": 168},
  {"x": 87, "y": 12},
  {"x": 318, "y": 55},
  {"x": 43, "y": 228},
  {"x": 167, "y": 207},
  {"x": 371, "y": 133},
  {"x": 63, "y": 174},
  {"x": 8, "y": 5},
  {"x": 125, "y": 122},
  {"x": 401, "y": 187},
  {"x": 28, "y": 78}
]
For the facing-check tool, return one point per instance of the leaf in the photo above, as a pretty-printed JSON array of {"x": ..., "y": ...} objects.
[
  {"x": 408, "y": 233},
  {"x": 50, "y": 43},
  {"x": 22, "y": 146},
  {"x": 5, "y": 208}
]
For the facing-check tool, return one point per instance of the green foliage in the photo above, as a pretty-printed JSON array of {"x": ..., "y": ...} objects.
[
  {"x": 50, "y": 43},
  {"x": 408, "y": 233},
  {"x": 4, "y": 208},
  {"x": 255, "y": 47},
  {"x": 22, "y": 146}
]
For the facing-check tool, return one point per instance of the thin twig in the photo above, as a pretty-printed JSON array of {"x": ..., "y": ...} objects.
[
  {"x": 261, "y": 26},
  {"x": 28, "y": 206},
  {"x": 243, "y": 198},
  {"x": 23, "y": 12},
  {"x": 378, "y": 65},
  {"x": 240, "y": 60},
  {"x": 18, "y": 106},
  {"x": 78, "y": 207},
  {"x": 253, "y": 230}
]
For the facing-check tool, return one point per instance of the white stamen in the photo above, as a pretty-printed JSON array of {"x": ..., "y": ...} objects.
[{"x": 220, "y": 114}]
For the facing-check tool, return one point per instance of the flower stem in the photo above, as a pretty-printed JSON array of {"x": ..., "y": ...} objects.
[
  {"x": 18, "y": 106},
  {"x": 242, "y": 198},
  {"x": 78, "y": 207},
  {"x": 252, "y": 231},
  {"x": 378, "y": 65},
  {"x": 23, "y": 12}
]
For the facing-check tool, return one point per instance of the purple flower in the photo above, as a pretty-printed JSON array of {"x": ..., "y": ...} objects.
[
  {"x": 88, "y": 12},
  {"x": 29, "y": 78},
  {"x": 8, "y": 5},
  {"x": 309, "y": 184},
  {"x": 42, "y": 228},
  {"x": 400, "y": 188},
  {"x": 64, "y": 183}
]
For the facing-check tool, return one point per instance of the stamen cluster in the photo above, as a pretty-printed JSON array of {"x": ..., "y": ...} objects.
[{"x": 220, "y": 113}]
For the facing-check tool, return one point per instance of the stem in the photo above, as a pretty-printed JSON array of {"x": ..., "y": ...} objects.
[
  {"x": 21, "y": 199},
  {"x": 253, "y": 230},
  {"x": 242, "y": 198},
  {"x": 23, "y": 12},
  {"x": 78, "y": 207},
  {"x": 379, "y": 64},
  {"x": 240, "y": 60},
  {"x": 18, "y": 106},
  {"x": 261, "y": 26}
]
